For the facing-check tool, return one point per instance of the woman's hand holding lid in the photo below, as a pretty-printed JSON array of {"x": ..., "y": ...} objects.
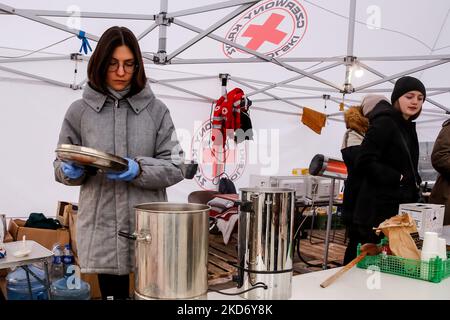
[{"x": 128, "y": 175}]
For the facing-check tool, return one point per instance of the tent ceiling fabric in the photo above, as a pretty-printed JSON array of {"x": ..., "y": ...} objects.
[{"x": 385, "y": 39}]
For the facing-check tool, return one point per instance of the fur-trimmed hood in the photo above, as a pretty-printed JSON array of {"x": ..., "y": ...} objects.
[{"x": 355, "y": 120}]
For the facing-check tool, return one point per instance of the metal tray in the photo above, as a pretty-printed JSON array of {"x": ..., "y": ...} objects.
[{"x": 85, "y": 156}]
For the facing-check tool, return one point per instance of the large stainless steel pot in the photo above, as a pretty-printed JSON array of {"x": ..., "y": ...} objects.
[
  {"x": 171, "y": 250},
  {"x": 265, "y": 242}
]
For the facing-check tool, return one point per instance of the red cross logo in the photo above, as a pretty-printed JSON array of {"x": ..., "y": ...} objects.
[
  {"x": 266, "y": 32},
  {"x": 209, "y": 156}
]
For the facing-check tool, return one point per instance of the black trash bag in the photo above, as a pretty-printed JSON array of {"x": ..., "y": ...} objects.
[
  {"x": 38, "y": 220},
  {"x": 226, "y": 186}
]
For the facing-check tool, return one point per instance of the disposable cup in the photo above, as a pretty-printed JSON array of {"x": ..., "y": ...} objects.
[
  {"x": 430, "y": 242},
  {"x": 442, "y": 248},
  {"x": 426, "y": 256}
]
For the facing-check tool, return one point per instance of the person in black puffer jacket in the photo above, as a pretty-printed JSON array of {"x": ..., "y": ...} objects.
[{"x": 388, "y": 159}]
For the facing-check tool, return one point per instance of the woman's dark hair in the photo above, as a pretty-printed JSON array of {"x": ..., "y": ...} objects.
[{"x": 98, "y": 64}]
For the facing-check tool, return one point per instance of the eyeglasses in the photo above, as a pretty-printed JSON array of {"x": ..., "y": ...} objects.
[{"x": 128, "y": 67}]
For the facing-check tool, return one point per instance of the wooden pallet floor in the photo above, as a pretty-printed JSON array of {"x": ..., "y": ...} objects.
[{"x": 221, "y": 256}]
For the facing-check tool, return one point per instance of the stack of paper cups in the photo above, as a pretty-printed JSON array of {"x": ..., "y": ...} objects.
[
  {"x": 429, "y": 251},
  {"x": 442, "y": 243},
  {"x": 430, "y": 247},
  {"x": 442, "y": 248}
]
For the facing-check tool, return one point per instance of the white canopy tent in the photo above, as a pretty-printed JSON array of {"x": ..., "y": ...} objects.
[{"x": 184, "y": 48}]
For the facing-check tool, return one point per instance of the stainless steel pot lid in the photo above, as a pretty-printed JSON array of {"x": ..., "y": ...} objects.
[{"x": 85, "y": 156}]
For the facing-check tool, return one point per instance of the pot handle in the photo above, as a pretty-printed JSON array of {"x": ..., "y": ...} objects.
[
  {"x": 136, "y": 236},
  {"x": 131, "y": 236},
  {"x": 246, "y": 206}
]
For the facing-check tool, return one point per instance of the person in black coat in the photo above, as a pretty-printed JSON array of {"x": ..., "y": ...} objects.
[
  {"x": 357, "y": 123},
  {"x": 388, "y": 159}
]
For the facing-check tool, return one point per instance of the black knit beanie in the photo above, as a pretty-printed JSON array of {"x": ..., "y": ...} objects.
[{"x": 406, "y": 84}]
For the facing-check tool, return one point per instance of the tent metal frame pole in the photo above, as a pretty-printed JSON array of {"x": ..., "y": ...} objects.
[
  {"x": 349, "y": 62},
  {"x": 188, "y": 79},
  {"x": 437, "y": 92},
  {"x": 149, "y": 57},
  {"x": 267, "y": 93},
  {"x": 434, "y": 111},
  {"x": 252, "y": 60},
  {"x": 337, "y": 120},
  {"x": 257, "y": 54},
  {"x": 147, "y": 31},
  {"x": 406, "y": 58},
  {"x": 335, "y": 114},
  {"x": 427, "y": 112},
  {"x": 339, "y": 102},
  {"x": 311, "y": 59},
  {"x": 47, "y": 22},
  {"x": 209, "y": 30},
  {"x": 276, "y": 111},
  {"x": 434, "y": 114},
  {"x": 442, "y": 90},
  {"x": 289, "y": 98},
  {"x": 400, "y": 74},
  {"x": 351, "y": 28},
  {"x": 11, "y": 60},
  {"x": 82, "y": 83},
  {"x": 271, "y": 86},
  {"x": 162, "y": 35},
  {"x": 164, "y": 20},
  {"x": 212, "y": 7},
  {"x": 197, "y": 100},
  {"x": 437, "y": 104},
  {"x": 84, "y": 14},
  {"x": 329, "y": 219},
  {"x": 33, "y": 76},
  {"x": 209, "y": 99},
  {"x": 429, "y": 120},
  {"x": 290, "y": 86},
  {"x": 334, "y": 99}
]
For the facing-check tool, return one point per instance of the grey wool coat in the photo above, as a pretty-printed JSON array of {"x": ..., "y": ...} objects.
[{"x": 138, "y": 127}]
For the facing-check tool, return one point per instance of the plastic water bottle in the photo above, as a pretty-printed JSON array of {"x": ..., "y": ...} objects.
[
  {"x": 57, "y": 270},
  {"x": 17, "y": 285},
  {"x": 63, "y": 289},
  {"x": 68, "y": 258}
]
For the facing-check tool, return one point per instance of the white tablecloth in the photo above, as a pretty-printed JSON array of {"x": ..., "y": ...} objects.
[{"x": 359, "y": 284}]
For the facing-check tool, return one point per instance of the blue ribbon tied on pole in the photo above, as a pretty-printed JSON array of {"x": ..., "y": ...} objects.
[{"x": 84, "y": 42}]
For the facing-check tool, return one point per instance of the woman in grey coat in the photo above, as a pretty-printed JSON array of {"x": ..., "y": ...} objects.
[{"x": 118, "y": 114}]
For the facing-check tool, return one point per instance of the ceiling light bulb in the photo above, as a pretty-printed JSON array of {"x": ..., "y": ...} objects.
[{"x": 359, "y": 72}]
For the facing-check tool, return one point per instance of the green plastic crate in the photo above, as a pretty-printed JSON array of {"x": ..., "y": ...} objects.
[{"x": 435, "y": 270}]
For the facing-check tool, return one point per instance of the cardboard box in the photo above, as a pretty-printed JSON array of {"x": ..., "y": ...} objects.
[
  {"x": 428, "y": 217},
  {"x": 92, "y": 279},
  {"x": 8, "y": 238},
  {"x": 63, "y": 212},
  {"x": 3, "y": 287},
  {"x": 45, "y": 237},
  {"x": 72, "y": 215}
]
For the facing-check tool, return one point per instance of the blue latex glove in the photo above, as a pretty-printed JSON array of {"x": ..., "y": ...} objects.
[
  {"x": 128, "y": 175},
  {"x": 72, "y": 170}
]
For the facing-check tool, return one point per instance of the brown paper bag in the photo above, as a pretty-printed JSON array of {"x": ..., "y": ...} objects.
[{"x": 398, "y": 229}]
